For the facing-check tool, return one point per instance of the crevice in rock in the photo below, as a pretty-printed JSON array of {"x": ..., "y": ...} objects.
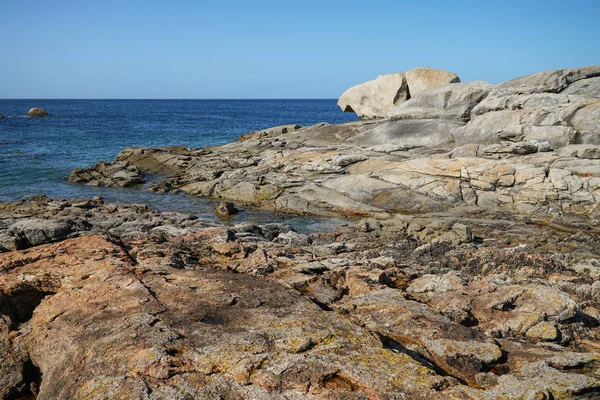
[
  {"x": 393, "y": 345},
  {"x": 501, "y": 367},
  {"x": 133, "y": 261},
  {"x": 337, "y": 381},
  {"x": 117, "y": 242},
  {"x": 321, "y": 305},
  {"x": 25, "y": 298},
  {"x": 29, "y": 388}
]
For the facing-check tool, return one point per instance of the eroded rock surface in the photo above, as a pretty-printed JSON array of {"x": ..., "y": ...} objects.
[
  {"x": 414, "y": 307},
  {"x": 109, "y": 175},
  {"x": 377, "y": 98},
  {"x": 459, "y": 145},
  {"x": 473, "y": 273}
]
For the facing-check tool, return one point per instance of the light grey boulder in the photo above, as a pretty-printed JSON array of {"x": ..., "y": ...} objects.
[
  {"x": 500, "y": 100},
  {"x": 419, "y": 79},
  {"x": 34, "y": 231},
  {"x": 452, "y": 101},
  {"x": 359, "y": 187},
  {"x": 540, "y": 381},
  {"x": 552, "y": 81},
  {"x": 376, "y": 98},
  {"x": 588, "y": 151},
  {"x": 586, "y": 122},
  {"x": 586, "y": 87},
  {"x": 410, "y": 133},
  {"x": 514, "y": 126},
  {"x": 521, "y": 148}
]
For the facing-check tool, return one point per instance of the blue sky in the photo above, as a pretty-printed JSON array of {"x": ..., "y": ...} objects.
[{"x": 277, "y": 49}]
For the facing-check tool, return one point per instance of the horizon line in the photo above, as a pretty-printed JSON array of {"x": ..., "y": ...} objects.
[{"x": 179, "y": 99}]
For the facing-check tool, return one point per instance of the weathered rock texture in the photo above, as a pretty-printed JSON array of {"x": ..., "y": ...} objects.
[
  {"x": 408, "y": 307},
  {"x": 109, "y": 175},
  {"x": 472, "y": 275},
  {"x": 459, "y": 145},
  {"x": 377, "y": 98}
]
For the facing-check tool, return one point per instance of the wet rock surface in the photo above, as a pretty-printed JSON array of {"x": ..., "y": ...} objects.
[{"x": 226, "y": 209}]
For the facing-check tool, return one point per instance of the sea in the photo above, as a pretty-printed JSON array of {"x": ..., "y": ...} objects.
[{"x": 37, "y": 154}]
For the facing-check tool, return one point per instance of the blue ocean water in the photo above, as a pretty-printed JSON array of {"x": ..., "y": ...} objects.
[{"x": 37, "y": 154}]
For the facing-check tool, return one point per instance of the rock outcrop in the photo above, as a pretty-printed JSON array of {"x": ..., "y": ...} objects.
[
  {"x": 377, "y": 98},
  {"x": 453, "y": 101},
  {"x": 416, "y": 306},
  {"x": 468, "y": 270},
  {"x": 553, "y": 81},
  {"x": 419, "y": 79},
  {"x": 37, "y": 113},
  {"x": 511, "y": 160},
  {"x": 108, "y": 174}
]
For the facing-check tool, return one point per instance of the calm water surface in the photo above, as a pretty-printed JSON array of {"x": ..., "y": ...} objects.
[{"x": 37, "y": 154}]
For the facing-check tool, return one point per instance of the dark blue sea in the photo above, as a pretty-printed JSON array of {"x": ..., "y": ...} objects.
[{"x": 37, "y": 154}]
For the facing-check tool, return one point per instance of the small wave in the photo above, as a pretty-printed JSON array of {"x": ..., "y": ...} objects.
[
  {"x": 215, "y": 116},
  {"x": 20, "y": 154},
  {"x": 11, "y": 141}
]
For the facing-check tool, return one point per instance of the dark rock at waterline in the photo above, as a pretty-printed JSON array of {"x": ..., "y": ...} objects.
[
  {"x": 226, "y": 209},
  {"x": 37, "y": 113},
  {"x": 115, "y": 174}
]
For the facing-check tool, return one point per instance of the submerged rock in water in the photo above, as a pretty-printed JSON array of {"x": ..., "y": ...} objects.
[
  {"x": 226, "y": 209},
  {"x": 37, "y": 113}
]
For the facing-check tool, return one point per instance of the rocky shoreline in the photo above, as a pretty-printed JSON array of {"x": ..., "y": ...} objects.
[{"x": 469, "y": 270}]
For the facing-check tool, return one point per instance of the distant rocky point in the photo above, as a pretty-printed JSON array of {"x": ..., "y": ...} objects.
[{"x": 37, "y": 113}]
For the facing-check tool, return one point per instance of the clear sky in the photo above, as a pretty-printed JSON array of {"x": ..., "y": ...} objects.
[{"x": 278, "y": 49}]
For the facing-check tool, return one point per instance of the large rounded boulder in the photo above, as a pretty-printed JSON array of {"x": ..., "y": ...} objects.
[
  {"x": 36, "y": 112},
  {"x": 377, "y": 98},
  {"x": 419, "y": 79}
]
